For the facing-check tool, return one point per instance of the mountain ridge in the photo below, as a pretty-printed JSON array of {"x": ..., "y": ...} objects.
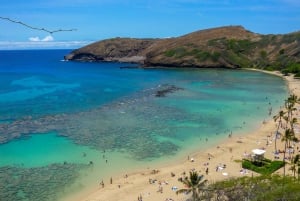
[{"x": 227, "y": 46}]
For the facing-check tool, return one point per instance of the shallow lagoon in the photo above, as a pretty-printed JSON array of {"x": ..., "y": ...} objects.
[{"x": 56, "y": 113}]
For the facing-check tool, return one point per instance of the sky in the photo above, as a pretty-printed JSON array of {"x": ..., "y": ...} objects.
[{"x": 96, "y": 20}]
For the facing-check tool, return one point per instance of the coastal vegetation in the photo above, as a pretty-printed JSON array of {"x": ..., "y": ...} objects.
[
  {"x": 237, "y": 52},
  {"x": 265, "y": 187},
  {"x": 286, "y": 120},
  {"x": 264, "y": 167},
  {"x": 194, "y": 184}
]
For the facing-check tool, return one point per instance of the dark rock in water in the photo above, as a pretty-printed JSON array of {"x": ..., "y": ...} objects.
[
  {"x": 129, "y": 67},
  {"x": 167, "y": 89}
]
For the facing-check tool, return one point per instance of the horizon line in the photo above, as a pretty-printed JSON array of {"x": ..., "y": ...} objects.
[{"x": 23, "y": 45}]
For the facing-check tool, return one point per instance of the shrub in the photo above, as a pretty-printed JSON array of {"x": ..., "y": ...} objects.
[
  {"x": 178, "y": 52},
  {"x": 297, "y": 75},
  {"x": 263, "y": 54},
  {"x": 238, "y": 46},
  {"x": 270, "y": 68},
  {"x": 203, "y": 56},
  {"x": 237, "y": 60},
  {"x": 263, "y": 167},
  {"x": 294, "y": 68},
  {"x": 215, "y": 56},
  {"x": 281, "y": 51},
  {"x": 271, "y": 188},
  {"x": 170, "y": 53}
]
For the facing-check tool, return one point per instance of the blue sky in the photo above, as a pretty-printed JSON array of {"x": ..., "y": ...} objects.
[{"x": 100, "y": 19}]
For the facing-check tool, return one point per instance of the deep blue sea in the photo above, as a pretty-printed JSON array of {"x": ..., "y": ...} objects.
[{"x": 69, "y": 124}]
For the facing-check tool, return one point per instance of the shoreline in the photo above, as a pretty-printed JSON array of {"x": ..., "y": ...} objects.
[{"x": 227, "y": 152}]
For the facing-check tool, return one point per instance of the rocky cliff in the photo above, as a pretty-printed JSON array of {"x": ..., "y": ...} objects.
[
  {"x": 116, "y": 49},
  {"x": 230, "y": 47}
]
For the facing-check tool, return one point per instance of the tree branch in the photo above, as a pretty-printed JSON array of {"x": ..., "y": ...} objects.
[{"x": 35, "y": 28}]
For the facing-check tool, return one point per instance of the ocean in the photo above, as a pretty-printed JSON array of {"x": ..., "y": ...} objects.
[{"x": 65, "y": 126}]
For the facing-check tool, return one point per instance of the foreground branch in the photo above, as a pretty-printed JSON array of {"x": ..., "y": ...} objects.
[{"x": 35, "y": 28}]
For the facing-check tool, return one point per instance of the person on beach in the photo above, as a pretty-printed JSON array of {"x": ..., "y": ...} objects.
[
  {"x": 102, "y": 184},
  {"x": 160, "y": 189}
]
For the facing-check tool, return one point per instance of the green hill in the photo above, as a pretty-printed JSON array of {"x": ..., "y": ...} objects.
[{"x": 228, "y": 47}]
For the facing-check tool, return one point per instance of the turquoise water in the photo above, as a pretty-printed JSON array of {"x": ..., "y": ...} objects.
[
  {"x": 41, "y": 150},
  {"x": 96, "y": 116}
]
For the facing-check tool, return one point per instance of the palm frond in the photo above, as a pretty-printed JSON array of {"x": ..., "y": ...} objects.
[{"x": 186, "y": 191}]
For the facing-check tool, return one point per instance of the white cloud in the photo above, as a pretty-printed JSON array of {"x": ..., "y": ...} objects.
[
  {"x": 34, "y": 39},
  {"x": 48, "y": 38},
  {"x": 37, "y": 39}
]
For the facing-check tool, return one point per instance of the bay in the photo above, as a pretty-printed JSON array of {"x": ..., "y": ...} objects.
[{"x": 100, "y": 115}]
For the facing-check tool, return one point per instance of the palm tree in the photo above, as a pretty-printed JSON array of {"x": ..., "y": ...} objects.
[
  {"x": 293, "y": 99},
  {"x": 193, "y": 184},
  {"x": 293, "y": 121},
  {"x": 288, "y": 136},
  {"x": 290, "y": 105},
  {"x": 278, "y": 117},
  {"x": 295, "y": 165},
  {"x": 290, "y": 120}
]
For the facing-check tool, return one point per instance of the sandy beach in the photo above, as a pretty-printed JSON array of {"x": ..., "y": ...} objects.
[{"x": 160, "y": 185}]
